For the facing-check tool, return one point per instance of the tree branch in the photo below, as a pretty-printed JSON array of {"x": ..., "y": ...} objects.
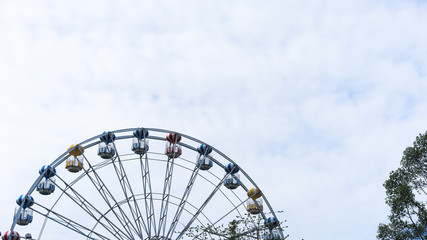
[{"x": 415, "y": 225}]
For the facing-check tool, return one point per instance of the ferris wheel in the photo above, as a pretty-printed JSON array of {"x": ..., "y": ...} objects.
[{"x": 138, "y": 183}]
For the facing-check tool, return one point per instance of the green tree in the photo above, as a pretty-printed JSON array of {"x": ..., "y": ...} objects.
[
  {"x": 407, "y": 195},
  {"x": 241, "y": 228}
]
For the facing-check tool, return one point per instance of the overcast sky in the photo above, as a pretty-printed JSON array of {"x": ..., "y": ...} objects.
[{"x": 315, "y": 99}]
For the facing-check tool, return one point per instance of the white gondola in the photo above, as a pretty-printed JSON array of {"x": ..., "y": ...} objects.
[
  {"x": 140, "y": 146},
  {"x": 173, "y": 150},
  {"x": 74, "y": 164},
  {"x": 25, "y": 217},
  {"x": 106, "y": 151},
  {"x": 231, "y": 182},
  {"x": 46, "y": 186},
  {"x": 204, "y": 163},
  {"x": 254, "y": 206}
]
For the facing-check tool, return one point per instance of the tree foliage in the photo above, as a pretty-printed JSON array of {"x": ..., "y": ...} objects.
[
  {"x": 407, "y": 195},
  {"x": 242, "y": 228}
]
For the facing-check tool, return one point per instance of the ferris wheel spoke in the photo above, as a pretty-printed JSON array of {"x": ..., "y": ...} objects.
[
  {"x": 201, "y": 207},
  {"x": 213, "y": 184},
  {"x": 148, "y": 195},
  {"x": 232, "y": 210},
  {"x": 102, "y": 189},
  {"x": 68, "y": 223},
  {"x": 84, "y": 204},
  {"x": 183, "y": 201},
  {"x": 126, "y": 186},
  {"x": 166, "y": 194},
  {"x": 235, "y": 208}
]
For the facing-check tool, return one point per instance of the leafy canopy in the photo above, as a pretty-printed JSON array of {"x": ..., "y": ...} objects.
[
  {"x": 407, "y": 195},
  {"x": 242, "y": 228}
]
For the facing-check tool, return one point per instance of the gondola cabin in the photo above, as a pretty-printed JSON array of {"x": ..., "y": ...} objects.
[
  {"x": 46, "y": 186},
  {"x": 231, "y": 181},
  {"x": 254, "y": 206},
  {"x": 140, "y": 146},
  {"x": 204, "y": 163},
  {"x": 106, "y": 150},
  {"x": 25, "y": 217},
  {"x": 271, "y": 222},
  {"x": 274, "y": 235},
  {"x": 173, "y": 150},
  {"x": 74, "y": 164}
]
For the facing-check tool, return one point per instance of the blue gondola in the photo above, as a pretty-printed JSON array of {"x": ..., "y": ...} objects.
[
  {"x": 107, "y": 137},
  {"x": 46, "y": 185},
  {"x": 204, "y": 149},
  {"x": 25, "y": 216},
  {"x": 140, "y": 133},
  {"x": 48, "y": 171},
  {"x": 271, "y": 222},
  {"x": 274, "y": 235},
  {"x": 204, "y": 163},
  {"x": 232, "y": 181},
  {"x": 27, "y": 200},
  {"x": 140, "y": 141},
  {"x": 140, "y": 146},
  {"x": 106, "y": 150},
  {"x": 231, "y": 168}
]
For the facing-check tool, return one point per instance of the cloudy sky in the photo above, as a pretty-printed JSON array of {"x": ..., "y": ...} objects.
[{"x": 315, "y": 99}]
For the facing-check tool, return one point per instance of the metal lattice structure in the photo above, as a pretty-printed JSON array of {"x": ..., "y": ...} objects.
[{"x": 126, "y": 184}]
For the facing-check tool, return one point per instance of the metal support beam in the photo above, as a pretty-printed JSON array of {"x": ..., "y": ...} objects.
[
  {"x": 148, "y": 195},
  {"x": 166, "y": 193},
  {"x": 183, "y": 202}
]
